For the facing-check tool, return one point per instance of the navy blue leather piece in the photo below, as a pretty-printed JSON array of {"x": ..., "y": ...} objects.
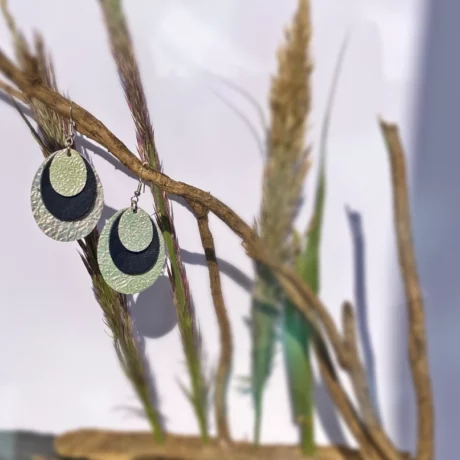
[
  {"x": 133, "y": 263},
  {"x": 73, "y": 208}
]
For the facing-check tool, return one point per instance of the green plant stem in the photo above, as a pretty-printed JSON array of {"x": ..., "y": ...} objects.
[
  {"x": 130, "y": 352},
  {"x": 128, "y": 69},
  {"x": 153, "y": 419},
  {"x": 182, "y": 300},
  {"x": 300, "y": 375},
  {"x": 298, "y": 330},
  {"x": 188, "y": 332},
  {"x": 264, "y": 318}
]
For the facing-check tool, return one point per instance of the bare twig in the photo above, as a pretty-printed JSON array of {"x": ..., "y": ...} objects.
[
  {"x": 226, "y": 344},
  {"x": 358, "y": 378},
  {"x": 417, "y": 334},
  {"x": 354, "y": 366}
]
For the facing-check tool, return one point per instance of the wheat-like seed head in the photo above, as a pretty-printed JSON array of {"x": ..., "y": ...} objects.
[{"x": 288, "y": 160}]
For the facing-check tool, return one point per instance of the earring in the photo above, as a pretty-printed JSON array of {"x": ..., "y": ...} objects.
[
  {"x": 66, "y": 196},
  {"x": 131, "y": 250}
]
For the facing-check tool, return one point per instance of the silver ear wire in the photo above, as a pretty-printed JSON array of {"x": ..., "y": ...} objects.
[
  {"x": 137, "y": 193},
  {"x": 69, "y": 141}
]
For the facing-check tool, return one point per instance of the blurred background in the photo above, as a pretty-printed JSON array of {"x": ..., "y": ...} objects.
[{"x": 58, "y": 370}]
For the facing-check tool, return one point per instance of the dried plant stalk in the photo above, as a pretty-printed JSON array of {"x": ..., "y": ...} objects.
[
  {"x": 52, "y": 136},
  {"x": 50, "y": 124},
  {"x": 357, "y": 371},
  {"x": 226, "y": 344},
  {"x": 287, "y": 157},
  {"x": 294, "y": 63},
  {"x": 298, "y": 332},
  {"x": 417, "y": 334},
  {"x": 285, "y": 170},
  {"x": 128, "y": 70}
]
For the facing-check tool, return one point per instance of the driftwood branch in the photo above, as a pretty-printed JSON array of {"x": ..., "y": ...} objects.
[
  {"x": 417, "y": 335},
  {"x": 305, "y": 300},
  {"x": 226, "y": 344},
  {"x": 113, "y": 445},
  {"x": 298, "y": 292}
]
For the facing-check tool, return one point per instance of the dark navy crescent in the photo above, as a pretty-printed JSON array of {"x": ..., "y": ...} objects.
[
  {"x": 133, "y": 263},
  {"x": 73, "y": 208}
]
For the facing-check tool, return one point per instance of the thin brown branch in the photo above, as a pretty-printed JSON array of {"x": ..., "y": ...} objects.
[
  {"x": 226, "y": 344},
  {"x": 345, "y": 407},
  {"x": 354, "y": 366},
  {"x": 93, "y": 128},
  {"x": 417, "y": 334},
  {"x": 358, "y": 378}
]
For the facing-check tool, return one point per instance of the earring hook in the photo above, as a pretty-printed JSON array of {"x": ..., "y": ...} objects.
[
  {"x": 69, "y": 141},
  {"x": 140, "y": 187}
]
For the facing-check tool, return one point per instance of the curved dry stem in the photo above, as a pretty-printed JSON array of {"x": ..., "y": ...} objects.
[
  {"x": 418, "y": 355},
  {"x": 226, "y": 343},
  {"x": 358, "y": 378},
  {"x": 90, "y": 126},
  {"x": 297, "y": 291}
]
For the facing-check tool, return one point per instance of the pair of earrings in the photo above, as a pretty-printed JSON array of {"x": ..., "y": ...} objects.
[{"x": 67, "y": 201}]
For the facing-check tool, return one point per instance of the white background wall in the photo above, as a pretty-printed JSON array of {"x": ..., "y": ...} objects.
[{"x": 57, "y": 367}]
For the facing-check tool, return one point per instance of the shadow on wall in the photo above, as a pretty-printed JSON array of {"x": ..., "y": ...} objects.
[
  {"x": 153, "y": 310},
  {"x": 436, "y": 223},
  {"x": 360, "y": 293}
]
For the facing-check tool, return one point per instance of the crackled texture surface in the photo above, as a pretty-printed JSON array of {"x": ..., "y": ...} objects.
[
  {"x": 121, "y": 282},
  {"x": 68, "y": 173},
  {"x": 55, "y": 228},
  {"x": 135, "y": 230}
]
